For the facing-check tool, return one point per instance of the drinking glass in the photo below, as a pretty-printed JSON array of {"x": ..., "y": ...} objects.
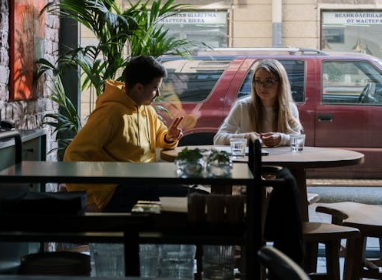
[
  {"x": 218, "y": 262},
  {"x": 149, "y": 260},
  {"x": 109, "y": 259},
  {"x": 297, "y": 142},
  {"x": 177, "y": 261},
  {"x": 238, "y": 147}
]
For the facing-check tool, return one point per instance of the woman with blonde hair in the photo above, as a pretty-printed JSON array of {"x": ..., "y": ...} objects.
[{"x": 270, "y": 112}]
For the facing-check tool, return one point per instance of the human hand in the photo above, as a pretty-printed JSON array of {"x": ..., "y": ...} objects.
[
  {"x": 174, "y": 131},
  {"x": 270, "y": 139},
  {"x": 252, "y": 135},
  {"x": 92, "y": 208}
]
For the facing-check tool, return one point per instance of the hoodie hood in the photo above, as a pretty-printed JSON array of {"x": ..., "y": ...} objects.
[{"x": 115, "y": 93}]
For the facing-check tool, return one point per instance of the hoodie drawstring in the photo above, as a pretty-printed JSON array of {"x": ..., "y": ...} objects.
[{"x": 147, "y": 128}]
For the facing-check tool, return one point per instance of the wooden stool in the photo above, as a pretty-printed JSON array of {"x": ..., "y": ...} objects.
[
  {"x": 331, "y": 235},
  {"x": 368, "y": 219}
]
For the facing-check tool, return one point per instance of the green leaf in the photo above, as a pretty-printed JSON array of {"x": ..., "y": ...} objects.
[
  {"x": 190, "y": 155},
  {"x": 138, "y": 28}
]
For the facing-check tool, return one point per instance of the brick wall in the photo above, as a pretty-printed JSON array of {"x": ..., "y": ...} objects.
[{"x": 27, "y": 114}]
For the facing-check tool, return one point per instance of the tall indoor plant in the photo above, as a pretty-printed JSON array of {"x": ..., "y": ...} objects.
[{"x": 137, "y": 29}]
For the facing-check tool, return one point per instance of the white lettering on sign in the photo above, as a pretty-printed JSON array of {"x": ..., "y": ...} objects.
[
  {"x": 197, "y": 17},
  {"x": 351, "y": 17}
]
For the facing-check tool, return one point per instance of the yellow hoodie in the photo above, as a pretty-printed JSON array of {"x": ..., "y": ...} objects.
[{"x": 117, "y": 130}]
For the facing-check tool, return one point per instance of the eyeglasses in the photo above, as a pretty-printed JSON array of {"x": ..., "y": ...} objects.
[{"x": 265, "y": 84}]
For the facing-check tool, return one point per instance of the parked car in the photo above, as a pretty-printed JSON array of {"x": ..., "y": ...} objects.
[{"x": 339, "y": 97}]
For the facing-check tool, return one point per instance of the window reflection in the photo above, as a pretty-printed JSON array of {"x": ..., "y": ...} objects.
[
  {"x": 296, "y": 74},
  {"x": 351, "y": 82}
]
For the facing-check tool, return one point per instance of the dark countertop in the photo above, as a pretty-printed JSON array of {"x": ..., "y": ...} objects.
[
  {"x": 39, "y": 277},
  {"x": 26, "y": 135}
]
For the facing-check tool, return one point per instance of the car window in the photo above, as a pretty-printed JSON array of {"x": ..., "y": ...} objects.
[
  {"x": 296, "y": 74},
  {"x": 191, "y": 80},
  {"x": 351, "y": 82}
]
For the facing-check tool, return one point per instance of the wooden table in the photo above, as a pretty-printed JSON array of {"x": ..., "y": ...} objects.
[
  {"x": 310, "y": 157},
  {"x": 145, "y": 173}
]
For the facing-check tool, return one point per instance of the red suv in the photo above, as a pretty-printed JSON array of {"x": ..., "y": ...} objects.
[{"x": 339, "y": 97}]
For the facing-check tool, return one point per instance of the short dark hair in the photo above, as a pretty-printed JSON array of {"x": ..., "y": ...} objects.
[{"x": 143, "y": 69}]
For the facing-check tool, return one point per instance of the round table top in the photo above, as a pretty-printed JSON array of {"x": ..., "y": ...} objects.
[{"x": 310, "y": 157}]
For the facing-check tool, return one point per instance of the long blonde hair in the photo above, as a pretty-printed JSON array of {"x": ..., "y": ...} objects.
[{"x": 284, "y": 120}]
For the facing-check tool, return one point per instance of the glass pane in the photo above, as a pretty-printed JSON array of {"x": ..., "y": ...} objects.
[
  {"x": 351, "y": 82},
  {"x": 296, "y": 74},
  {"x": 191, "y": 80},
  {"x": 352, "y": 30}
]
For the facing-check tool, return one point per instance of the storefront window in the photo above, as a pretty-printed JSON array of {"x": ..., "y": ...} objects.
[
  {"x": 209, "y": 27},
  {"x": 352, "y": 30}
]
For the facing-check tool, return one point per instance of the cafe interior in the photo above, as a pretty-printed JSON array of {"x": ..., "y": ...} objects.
[{"x": 222, "y": 232}]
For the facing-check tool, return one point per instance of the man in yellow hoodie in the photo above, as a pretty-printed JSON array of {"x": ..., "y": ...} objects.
[{"x": 125, "y": 127}]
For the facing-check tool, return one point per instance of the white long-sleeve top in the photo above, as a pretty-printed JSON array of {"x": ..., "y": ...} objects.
[{"x": 238, "y": 123}]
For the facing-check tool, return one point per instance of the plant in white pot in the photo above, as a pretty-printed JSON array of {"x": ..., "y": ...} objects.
[
  {"x": 218, "y": 164},
  {"x": 189, "y": 162}
]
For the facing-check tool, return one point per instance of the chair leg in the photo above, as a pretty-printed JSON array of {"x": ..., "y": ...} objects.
[
  {"x": 353, "y": 259},
  {"x": 332, "y": 259},
  {"x": 311, "y": 254},
  {"x": 368, "y": 268}
]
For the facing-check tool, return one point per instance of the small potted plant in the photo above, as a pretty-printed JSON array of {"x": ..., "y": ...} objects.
[
  {"x": 218, "y": 164},
  {"x": 190, "y": 162}
]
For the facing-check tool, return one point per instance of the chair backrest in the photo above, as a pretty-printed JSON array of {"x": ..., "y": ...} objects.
[
  {"x": 280, "y": 265},
  {"x": 257, "y": 168},
  {"x": 254, "y": 157}
]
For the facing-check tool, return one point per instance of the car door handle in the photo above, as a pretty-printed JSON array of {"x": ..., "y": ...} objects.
[{"x": 325, "y": 117}]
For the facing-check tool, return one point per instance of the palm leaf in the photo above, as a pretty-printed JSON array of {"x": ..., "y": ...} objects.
[{"x": 138, "y": 26}]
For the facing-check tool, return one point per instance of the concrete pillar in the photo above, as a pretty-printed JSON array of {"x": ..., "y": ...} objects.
[{"x": 277, "y": 23}]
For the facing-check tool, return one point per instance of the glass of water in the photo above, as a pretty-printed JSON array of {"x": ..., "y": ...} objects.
[
  {"x": 297, "y": 142},
  {"x": 238, "y": 147}
]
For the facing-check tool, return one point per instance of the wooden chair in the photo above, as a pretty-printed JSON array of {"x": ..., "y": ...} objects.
[
  {"x": 366, "y": 218},
  {"x": 331, "y": 235},
  {"x": 280, "y": 265},
  {"x": 313, "y": 233}
]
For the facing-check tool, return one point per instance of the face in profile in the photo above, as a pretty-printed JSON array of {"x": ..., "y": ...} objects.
[{"x": 149, "y": 92}]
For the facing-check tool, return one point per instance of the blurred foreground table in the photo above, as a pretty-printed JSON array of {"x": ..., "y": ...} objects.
[{"x": 158, "y": 229}]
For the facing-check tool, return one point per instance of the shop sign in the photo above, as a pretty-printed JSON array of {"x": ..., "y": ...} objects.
[
  {"x": 352, "y": 18},
  {"x": 197, "y": 18}
]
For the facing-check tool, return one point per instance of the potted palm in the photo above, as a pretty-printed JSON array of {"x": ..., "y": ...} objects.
[{"x": 136, "y": 30}]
